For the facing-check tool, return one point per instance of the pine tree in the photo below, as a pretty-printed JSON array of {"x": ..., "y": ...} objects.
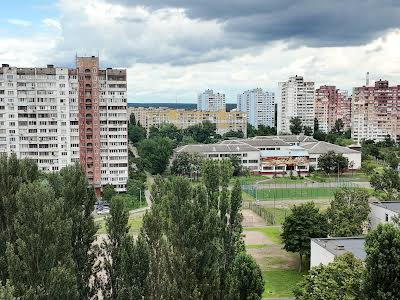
[
  {"x": 40, "y": 262},
  {"x": 78, "y": 204}
]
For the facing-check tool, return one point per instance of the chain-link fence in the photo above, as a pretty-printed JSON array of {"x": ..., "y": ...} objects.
[{"x": 293, "y": 191}]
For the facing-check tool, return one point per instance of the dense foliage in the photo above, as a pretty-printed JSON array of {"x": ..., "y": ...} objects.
[
  {"x": 304, "y": 222},
  {"x": 332, "y": 163},
  {"x": 348, "y": 213},
  {"x": 386, "y": 184},
  {"x": 339, "y": 280},
  {"x": 382, "y": 276}
]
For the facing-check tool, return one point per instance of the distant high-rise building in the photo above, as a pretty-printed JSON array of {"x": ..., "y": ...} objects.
[
  {"x": 210, "y": 101},
  {"x": 58, "y": 116},
  {"x": 331, "y": 104},
  {"x": 376, "y": 112},
  {"x": 259, "y": 106},
  {"x": 295, "y": 99}
]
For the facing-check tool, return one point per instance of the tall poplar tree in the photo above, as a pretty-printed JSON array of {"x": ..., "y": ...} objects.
[
  {"x": 78, "y": 204},
  {"x": 40, "y": 263},
  {"x": 13, "y": 173}
]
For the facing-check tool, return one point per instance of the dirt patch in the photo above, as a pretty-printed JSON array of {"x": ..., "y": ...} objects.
[
  {"x": 251, "y": 219},
  {"x": 255, "y": 238},
  {"x": 274, "y": 257}
]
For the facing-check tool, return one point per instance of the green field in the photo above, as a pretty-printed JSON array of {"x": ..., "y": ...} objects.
[
  {"x": 291, "y": 193},
  {"x": 272, "y": 233},
  {"x": 280, "y": 283}
]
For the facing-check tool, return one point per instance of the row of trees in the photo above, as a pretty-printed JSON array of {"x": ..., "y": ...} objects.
[
  {"x": 347, "y": 278},
  {"x": 190, "y": 245},
  {"x": 46, "y": 231},
  {"x": 346, "y": 216}
]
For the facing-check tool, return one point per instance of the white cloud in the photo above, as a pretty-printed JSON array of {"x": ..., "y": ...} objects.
[
  {"x": 19, "y": 22},
  {"x": 51, "y": 24},
  {"x": 169, "y": 55}
]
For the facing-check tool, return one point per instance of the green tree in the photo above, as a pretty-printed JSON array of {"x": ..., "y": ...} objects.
[
  {"x": 338, "y": 127},
  {"x": 348, "y": 212},
  {"x": 249, "y": 283},
  {"x": 234, "y": 134},
  {"x": 382, "y": 263},
  {"x": 266, "y": 130},
  {"x": 332, "y": 163},
  {"x": 308, "y": 130},
  {"x": 125, "y": 262},
  {"x": 78, "y": 205},
  {"x": 155, "y": 153},
  {"x": 13, "y": 173},
  {"x": 316, "y": 125},
  {"x": 7, "y": 292},
  {"x": 170, "y": 131},
  {"x": 108, "y": 192},
  {"x": 132, "y": 119},
  {"x": 40, "y": 262},
  {"x": 136, "y": 134},
  {"x": 339, "y": 280},
  {"x": 186, "y": 164},
  {"x": 319, "y": 135},
  {"x": 296, "y": 126},
  {"x": 202, "y": 133},
  {"x": 387, "y": 184},
  {"x": 304, "y": 222},
  {"x": 251, "y": 130}
]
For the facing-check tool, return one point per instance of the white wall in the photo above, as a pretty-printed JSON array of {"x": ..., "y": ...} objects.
[
  {"x": 377, "y": 215},
  {"x": 319, "y": 255},
  {"x": 352, "y": 157}
]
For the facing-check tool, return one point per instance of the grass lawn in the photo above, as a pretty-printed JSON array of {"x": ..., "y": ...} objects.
[
  {"x": 272, "y": 233},
  {"x": 292, "y": 193},
  {"x": 280, "y": 283},
  {"x": 135, "y": 224}
]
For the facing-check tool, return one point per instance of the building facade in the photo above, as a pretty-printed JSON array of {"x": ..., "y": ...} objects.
[
  {"x": 210, "y": 101},
  {"x": 383, "y": 212},
  {"x": 295, "y": 99},
  {"x": 259, "y": 106},
  {"x": 182, "y": 119},
  {"x": 332, "y": 104},
  {"x": 58, "y": 116},
  {"x": 376, "y": 112}
]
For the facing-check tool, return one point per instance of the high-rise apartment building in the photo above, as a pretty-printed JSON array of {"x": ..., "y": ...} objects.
[
  {"x": 332, "y": 104},
  {"x": 224, "y": 121},
  {"x": 376, "y": 112},
  {"x": 210, "y": 101},
  {"x": 58, "y": 116},
  {"x": 295, "y": 99},
  {"x": 259, "y": 106}
]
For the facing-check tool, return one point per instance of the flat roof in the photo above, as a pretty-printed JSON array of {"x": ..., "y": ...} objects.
[
  {"x": 258, "y": 142},
  {"x": 207, "y": 148},
  {"x": 389, "y": 205},
  {"x": 322, "y": 147},
  {"x": 340, "y": 245},
  {"x": 294, "y": 151}
]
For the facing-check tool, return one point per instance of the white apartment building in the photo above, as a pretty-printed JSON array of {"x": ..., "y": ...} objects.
[
  {"x": 295, "y": 99},
  {"x": 210, "y": 101},
  {"x": 259, "y": 106},
  {"x": 58, "y": 116}
]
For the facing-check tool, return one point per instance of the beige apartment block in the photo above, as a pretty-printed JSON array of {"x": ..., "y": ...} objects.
[{"x": 182, "y": 119}]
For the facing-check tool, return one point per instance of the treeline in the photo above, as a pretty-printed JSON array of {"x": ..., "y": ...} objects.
[{"x": 190, "y": 245}]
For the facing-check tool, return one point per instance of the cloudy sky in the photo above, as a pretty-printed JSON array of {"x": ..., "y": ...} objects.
[{"x": 174, "y": 49}]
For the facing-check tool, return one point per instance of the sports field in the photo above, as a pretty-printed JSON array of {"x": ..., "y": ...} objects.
[{"x": 292, "y": 193}]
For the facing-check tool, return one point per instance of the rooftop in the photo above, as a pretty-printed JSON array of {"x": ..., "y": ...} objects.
[
  {"x": 340, "y": 245},
  {"x": 293, "y": 151},
  {"x": 324, "y": 147},
  {"x": 389, "y": 205},
  {"x": 207, "y": 148},
  {"x": 258, "y": 142}
]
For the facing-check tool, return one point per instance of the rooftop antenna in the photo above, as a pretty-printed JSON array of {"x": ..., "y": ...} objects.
[{"x": 367, "y": 79}]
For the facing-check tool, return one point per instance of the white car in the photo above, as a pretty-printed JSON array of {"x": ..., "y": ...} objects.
[{"x": 103, "y": 211}]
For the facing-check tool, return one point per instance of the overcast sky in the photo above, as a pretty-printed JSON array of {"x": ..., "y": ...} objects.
[{"x": 174, "y": 49}]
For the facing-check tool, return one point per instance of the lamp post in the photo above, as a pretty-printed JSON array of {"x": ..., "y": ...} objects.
[{"x": 140, "y": 197}]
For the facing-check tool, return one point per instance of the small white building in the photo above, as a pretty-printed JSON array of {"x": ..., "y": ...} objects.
[
  {"x": 324, "y": 250},
  {"x": 250, "y": 156},
  {"x": 383, "y": 212}
]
